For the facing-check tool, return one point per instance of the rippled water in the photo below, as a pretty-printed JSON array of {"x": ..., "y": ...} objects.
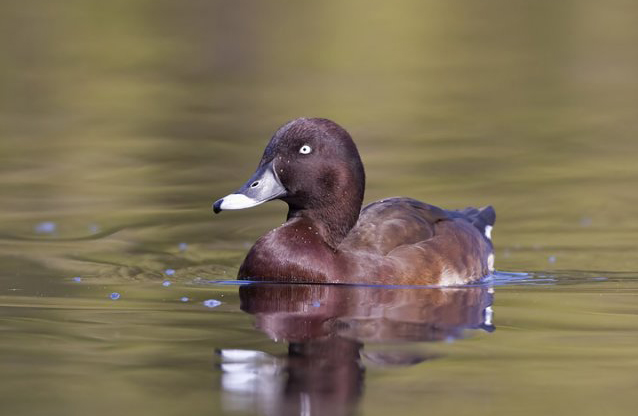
[{"x": 121, "y": 122}]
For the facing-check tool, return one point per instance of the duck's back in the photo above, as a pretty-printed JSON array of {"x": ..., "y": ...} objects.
[
  {"x": 387, "y": 224},
  {"x": 422, "y": 243}
]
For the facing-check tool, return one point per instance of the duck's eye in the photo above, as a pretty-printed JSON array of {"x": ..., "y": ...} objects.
[{"x": 305, "y": 149}]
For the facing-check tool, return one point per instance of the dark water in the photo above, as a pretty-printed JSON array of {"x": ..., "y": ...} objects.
[{"x": 121, "y": 122}]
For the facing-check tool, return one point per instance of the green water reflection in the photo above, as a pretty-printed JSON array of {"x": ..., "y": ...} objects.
[{"x": 121, "y": 121}]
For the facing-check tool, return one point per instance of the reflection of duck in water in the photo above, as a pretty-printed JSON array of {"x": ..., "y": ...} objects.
[{"x": 326, "y": 327}]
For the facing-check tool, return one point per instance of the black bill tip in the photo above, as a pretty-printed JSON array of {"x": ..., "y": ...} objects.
[{"x": 217, "y": 206}]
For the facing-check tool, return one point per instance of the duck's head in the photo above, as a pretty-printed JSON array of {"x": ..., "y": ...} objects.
[{"x": 313, "y": 165}]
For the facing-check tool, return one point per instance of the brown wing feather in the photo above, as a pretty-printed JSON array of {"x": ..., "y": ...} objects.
[{"x": 390, "y": 223}]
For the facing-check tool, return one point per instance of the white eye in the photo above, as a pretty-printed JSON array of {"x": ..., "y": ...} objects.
[{"x": 305, "y": 149}]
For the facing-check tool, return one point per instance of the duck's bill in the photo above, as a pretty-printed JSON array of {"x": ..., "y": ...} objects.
[{"x": 263, "y": 186}]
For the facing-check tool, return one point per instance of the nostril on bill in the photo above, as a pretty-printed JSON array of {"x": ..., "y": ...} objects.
[{"x": 254, "y": 184}]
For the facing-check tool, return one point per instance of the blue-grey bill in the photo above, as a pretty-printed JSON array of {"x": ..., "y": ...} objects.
[{"x": 263, "y": 186}]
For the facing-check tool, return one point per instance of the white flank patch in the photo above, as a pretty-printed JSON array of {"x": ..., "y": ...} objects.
[
  {"x": 238, "y": 201},
  {"x": 488, "y": 232},
  {"x": 490, "y": 262},
  {"x": 450, "y": 278}
]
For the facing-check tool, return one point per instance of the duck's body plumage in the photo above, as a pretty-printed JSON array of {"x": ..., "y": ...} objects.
[
  {"x": 326, "y": 239},
  {"x": 395, "y": 241}
]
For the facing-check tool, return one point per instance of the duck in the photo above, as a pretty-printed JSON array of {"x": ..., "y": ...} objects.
[{"x": 314, "y": 166}]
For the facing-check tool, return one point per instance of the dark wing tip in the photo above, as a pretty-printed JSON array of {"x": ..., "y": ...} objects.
[{"x": 488, "y": 215}]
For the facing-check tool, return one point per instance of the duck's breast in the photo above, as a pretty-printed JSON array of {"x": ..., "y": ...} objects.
[{"x": 293, "y": 252}]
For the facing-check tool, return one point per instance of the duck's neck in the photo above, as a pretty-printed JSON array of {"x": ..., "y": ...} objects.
[
  {"x": 333, "y": 222},
  {"x": 334, "y": 205}
]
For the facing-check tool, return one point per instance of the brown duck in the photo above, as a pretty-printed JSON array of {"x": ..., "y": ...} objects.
[{"x": 313, "y": 165}]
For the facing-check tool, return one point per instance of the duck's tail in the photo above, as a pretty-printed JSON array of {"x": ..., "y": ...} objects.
[{"x": 482, "y": 218}]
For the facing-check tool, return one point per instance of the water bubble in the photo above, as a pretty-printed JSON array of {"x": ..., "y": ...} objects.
[
  {"x": 114, "y": 296},
  {"x": 182, "y": 246},
  {"x": 211, "y": 303},
  {"x": 77, "y": 279},
  {"x": 166, "y": 283},
  {"x": 552, "y": 259},
  {"x": 45, "y": 227},
  {"x": 94, "y": 228},
  {"x": 585, "y": 222},
  {"x": 316, "y": 304},
  {"x": 169, "y": 272},
  {"x": 184, "y": 299}
]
